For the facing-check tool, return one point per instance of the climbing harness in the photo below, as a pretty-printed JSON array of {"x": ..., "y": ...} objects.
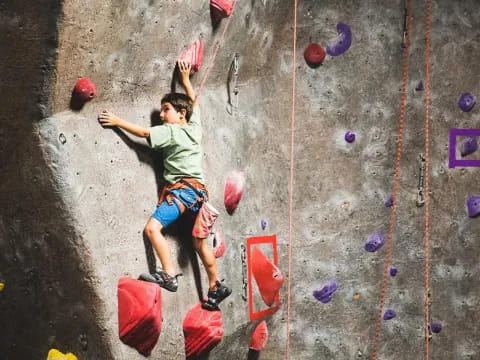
[{"x": 232, "y": 106}]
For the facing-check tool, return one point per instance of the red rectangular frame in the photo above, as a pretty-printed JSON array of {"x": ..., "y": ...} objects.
[{"x": 256, "y": 240}]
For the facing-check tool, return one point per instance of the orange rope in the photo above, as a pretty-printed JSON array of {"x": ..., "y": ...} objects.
[
  {"x": 290, "y": 213},
  {"x": 215, "y": 52},
  {"x": 388, "y": 251},
  {"x": 426, "y": 239}
]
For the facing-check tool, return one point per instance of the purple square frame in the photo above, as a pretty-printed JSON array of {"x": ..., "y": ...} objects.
[{"x": 452, "y": 161}]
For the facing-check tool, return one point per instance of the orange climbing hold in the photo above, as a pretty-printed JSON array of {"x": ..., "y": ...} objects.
[
  {"x": 221, "y": 8},
  {"x": 267, "y": 275},
  {"x": 203, "y": 330},
  {"x": 234, "y": 188},
  {"x": 139, "y": 314},
  {"x": 193, "y": 55},
  {"x": 259, "y": 337}
]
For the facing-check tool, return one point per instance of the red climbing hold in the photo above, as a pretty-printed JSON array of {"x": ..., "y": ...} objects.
[
  {"x": 314, "y": 55},
  {"x": 267, "y": 275},
  {"x": 234, "y": 187},
  {"x": 193, "y": 55},
  {"x": 139, "y": 314},
  {"x": 203, "y": 330},
  {"x": 259, "y": 337},
  {"x": 84, "y": 90},
  {"x": 221, "y": 8},
  {"x": 219, "y": 244}
]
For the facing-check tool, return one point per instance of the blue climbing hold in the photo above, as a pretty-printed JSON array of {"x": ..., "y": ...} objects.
[
  {"x": 325, "y": 294},
  {"x": 389, "y": 314},
  {"x": 374, "y": 242},
  {"x": 436, "y": 328},
  {"x": 469, "y": 146},
  {"x": 466, "y": 102},
  {"x": 473, "y": 205},
  {"x": 389, "y": 202},
  {"x": 349, "y": 137},
  {"x": 393, "y": 271},
  {"x": 263, "y": 224}
]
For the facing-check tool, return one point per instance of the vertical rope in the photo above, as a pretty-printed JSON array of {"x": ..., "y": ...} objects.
[
  {"x": 388, "y": 251},
  {"x": 426, "y": 239},
  {"x": 290, "y": 211},
  {"x": 215, "y": 52}
]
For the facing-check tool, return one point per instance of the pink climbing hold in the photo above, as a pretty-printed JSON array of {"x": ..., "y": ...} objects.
[
  {"x": 234, "y": 188},
  {"x": 203, "y": 330},
  {"x": 84, "y": 90},
  {"x": 139, "y": 314},
  {"x": 193, "y": 55},
  {"x": 219, "y": 247},
  {"x": 267, "y": 275},
  {"x": 221, "y": 8},
  {"x": 259, "y": 337}
]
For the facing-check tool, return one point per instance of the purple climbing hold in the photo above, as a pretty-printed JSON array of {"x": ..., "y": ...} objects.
[
  {"x": 466, "y": 102},
  {"x": 263, "y": 224},
  {"x": 343, "y": 41},
  {"x": 349, "y": 137},
  {"x": 393, "y": 271},
  {"x": 436, "y": 328},
  {"x": 469, "y": 146},
  {"x": 473, "y": 205},
  {"x": 419, "y": 86},
  {"x": 374, "y": 242},
  {"x": 389, "y": 202},
  {"x": 325, "y": 294},
  {"x": 389, "y": 314}
]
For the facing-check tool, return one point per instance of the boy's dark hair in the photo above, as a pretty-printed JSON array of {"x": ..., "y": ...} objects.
[{"x": 179, "y": 102}]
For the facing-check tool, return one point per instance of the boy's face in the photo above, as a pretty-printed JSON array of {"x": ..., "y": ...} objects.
[{"x": 169, "y": 115}]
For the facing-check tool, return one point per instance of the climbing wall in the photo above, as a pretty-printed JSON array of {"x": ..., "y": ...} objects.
[{"x": 75, "y": 197}]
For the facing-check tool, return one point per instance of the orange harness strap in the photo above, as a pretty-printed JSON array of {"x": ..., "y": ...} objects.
[{"x": 165, "y": 194}]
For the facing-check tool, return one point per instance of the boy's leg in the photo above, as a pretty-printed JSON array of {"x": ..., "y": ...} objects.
[
  {"x": 208, "y": 260},
  {"x": 153, "y": 230}
]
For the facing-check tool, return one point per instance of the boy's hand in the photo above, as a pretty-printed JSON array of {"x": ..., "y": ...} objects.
[
  {"x": 184, "y": 69},
  {"x": 106, "y": 118}
]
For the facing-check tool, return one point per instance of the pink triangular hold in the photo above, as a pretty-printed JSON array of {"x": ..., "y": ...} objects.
[
  {"x": 267, "y": 275},
  {"x": 193, "y": 55},
  {"x": 234, "y": 188},
  {"x": 203, "y": 330},
  {"x": 259, "y": 337},
  {"x": 219, "y": 242}
]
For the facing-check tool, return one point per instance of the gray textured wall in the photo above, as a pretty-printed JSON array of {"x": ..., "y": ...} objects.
[{"x": 73, "y": 213}]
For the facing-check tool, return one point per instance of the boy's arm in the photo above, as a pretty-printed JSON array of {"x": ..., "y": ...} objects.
[
  {"x": 106, "y": 118},
  {"x": 184, "y": 69}
]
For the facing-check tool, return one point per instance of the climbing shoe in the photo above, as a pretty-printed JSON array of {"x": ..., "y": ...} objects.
[
  {"x": 216, "y": 296},
  {"x": 163, "y": 279}
]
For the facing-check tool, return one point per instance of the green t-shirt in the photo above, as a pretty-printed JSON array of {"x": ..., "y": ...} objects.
[{"x": 181, "y": 148}]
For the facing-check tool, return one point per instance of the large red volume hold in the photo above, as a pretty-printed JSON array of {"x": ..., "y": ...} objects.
[
  {"x": 267, "y": 275},
  {"x": 84, "y": 90},
  {"x": 221, "y": 8},
  {"x": 193, "y": 55},
  {"x": 259, "y": 337},
  {"x": 203, "y": 330},
  {"x": 139, "y": 314},
  {"x": 234, "y": 188}
]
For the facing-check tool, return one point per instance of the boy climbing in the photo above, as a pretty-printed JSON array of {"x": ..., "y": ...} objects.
[{"x": 179, "y": 139}]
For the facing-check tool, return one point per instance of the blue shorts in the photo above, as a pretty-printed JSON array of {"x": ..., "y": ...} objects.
[{"x": 167, "y": 214}]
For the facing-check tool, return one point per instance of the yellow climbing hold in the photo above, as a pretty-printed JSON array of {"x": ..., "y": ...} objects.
[
  {"x": 55, "y": 354},
  {"x": 2, "y": 285}
]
